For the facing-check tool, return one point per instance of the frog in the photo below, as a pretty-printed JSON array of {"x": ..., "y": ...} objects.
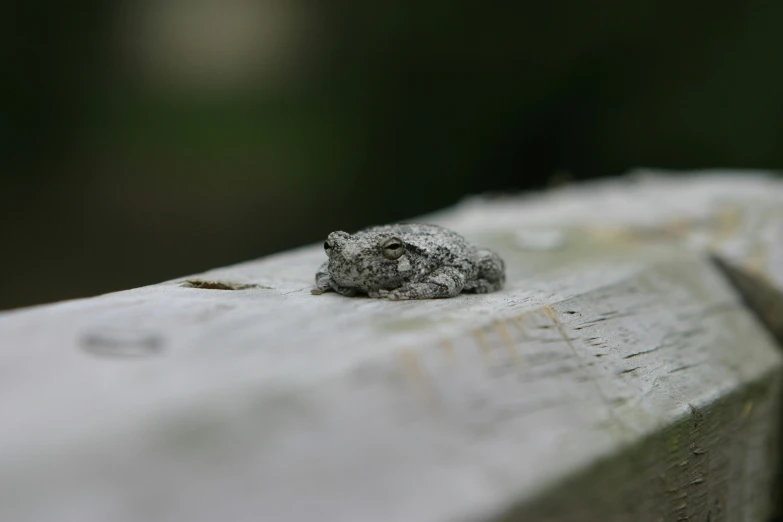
[{"x": 407, "y": 261}]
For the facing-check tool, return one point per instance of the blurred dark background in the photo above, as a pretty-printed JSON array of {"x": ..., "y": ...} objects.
[{"x": 152, "y": 139}]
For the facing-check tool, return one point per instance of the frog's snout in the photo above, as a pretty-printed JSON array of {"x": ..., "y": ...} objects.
[{"x": 338, "y": 239}]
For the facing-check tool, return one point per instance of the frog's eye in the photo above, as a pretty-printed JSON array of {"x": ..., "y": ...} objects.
[
  {"x": 327, "y": 246},
  {"x": 393, "y": 248}
]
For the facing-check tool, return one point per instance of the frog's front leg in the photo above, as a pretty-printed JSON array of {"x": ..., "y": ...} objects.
[
  {"x": 446, "y": 281},
  {"x": 324, "y": 283}
]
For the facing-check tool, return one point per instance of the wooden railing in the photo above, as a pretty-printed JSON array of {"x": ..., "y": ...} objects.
[{"x": 628, "y": 372}]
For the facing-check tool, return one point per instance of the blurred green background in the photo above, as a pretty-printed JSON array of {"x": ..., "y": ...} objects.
[{"x": 152, "y": 139}]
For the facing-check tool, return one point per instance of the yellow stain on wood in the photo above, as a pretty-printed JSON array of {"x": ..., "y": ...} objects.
[
  {"x": 673, "y": 230},
  {"x": 519, "y": 323},
  {"x": 727, "y": 222},
  {"x": 415, "y": 375},
  {"x": 610, "y": 234},
  {"x": 538, "y": 318},
  {"x": 552, "y": 314},
  {"x": 677, "y": 228},
  {"x": 447, "y": 349},
  {"x": 501, "y": 330},
  {"x": 756, "y": 262},
  {"x": 481, "y": 340}
]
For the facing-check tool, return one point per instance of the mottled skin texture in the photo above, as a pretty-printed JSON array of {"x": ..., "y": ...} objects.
[{"x": 408, "y": 261}]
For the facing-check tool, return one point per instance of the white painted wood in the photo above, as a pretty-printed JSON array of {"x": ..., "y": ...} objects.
[{"x": 619, "y": 376}]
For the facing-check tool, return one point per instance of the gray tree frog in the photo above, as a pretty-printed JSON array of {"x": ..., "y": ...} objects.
[{"x": 407, "y": 261}]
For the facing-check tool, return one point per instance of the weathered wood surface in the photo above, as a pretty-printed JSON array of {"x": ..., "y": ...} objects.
[{"x": 619, "y": 376}]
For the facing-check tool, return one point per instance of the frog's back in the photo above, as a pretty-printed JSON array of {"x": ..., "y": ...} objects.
[
  {"x": 412, "y": 231},
  {"x": 438, "y": 245}
]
